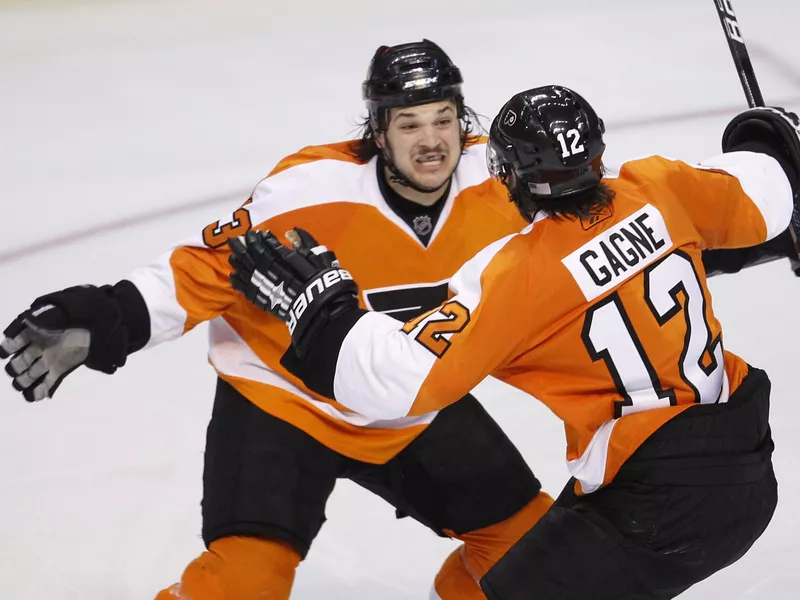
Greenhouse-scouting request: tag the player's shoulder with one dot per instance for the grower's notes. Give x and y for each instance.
(342, 152)
(650, 167)
(499, 261)
(326, 169)
(472, 169)
(476, 185)
(511, 253)
(314, 176)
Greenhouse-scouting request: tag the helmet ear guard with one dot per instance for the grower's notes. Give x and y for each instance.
(497, 166)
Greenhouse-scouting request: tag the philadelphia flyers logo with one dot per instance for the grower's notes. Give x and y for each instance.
(404, 302)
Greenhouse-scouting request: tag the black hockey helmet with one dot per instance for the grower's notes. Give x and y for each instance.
(407, 75)
(551, 140)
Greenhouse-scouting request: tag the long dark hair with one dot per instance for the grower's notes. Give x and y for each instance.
(581, 205)
(366, 146)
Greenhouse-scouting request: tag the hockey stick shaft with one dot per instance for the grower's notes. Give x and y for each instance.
(733, 33)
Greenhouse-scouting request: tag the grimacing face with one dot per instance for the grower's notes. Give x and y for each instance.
(424, 142)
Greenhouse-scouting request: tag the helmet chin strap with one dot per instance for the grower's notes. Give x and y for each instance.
(397, 176)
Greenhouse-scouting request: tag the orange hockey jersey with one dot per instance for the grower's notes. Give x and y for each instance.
(607, 320)
(327, 191)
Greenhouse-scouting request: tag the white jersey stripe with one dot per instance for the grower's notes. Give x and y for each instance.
(230, 355)
(156, 283)
(765, 183)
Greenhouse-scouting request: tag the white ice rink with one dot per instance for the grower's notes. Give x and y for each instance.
(125, 125)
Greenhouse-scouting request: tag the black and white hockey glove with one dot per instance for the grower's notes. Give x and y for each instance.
(303, 286)
(60, 332)
(774, 131)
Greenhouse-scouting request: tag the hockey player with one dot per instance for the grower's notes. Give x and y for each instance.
(600, 309)
(405, 206)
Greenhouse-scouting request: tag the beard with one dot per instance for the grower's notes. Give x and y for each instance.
(401, 178)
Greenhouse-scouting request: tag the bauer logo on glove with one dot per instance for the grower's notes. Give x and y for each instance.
(315, 289)
(303, 286)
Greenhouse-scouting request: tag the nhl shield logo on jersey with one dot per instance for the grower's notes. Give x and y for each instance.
(422, 225)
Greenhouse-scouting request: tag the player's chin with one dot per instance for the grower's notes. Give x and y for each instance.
(433, 179)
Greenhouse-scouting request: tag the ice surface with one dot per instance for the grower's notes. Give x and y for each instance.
(114, 111)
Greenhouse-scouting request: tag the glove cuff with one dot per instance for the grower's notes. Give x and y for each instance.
(311, 308)
(316, 366)
(135, 316)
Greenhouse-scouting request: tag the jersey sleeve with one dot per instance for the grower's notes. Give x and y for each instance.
(734, 200)
(189, 284)
(182, 288)
(388, 370)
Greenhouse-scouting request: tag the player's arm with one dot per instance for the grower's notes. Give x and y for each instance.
(367, 361)
(101, 326)
(189, 285)
(763, 132)
(95, 326)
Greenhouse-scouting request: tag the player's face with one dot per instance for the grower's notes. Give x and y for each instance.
(425, 142)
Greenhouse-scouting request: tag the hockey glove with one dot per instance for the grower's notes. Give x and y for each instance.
(58, 333)
(303, 286)
(774, 131)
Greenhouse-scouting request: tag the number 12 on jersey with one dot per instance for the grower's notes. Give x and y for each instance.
(609, 336)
